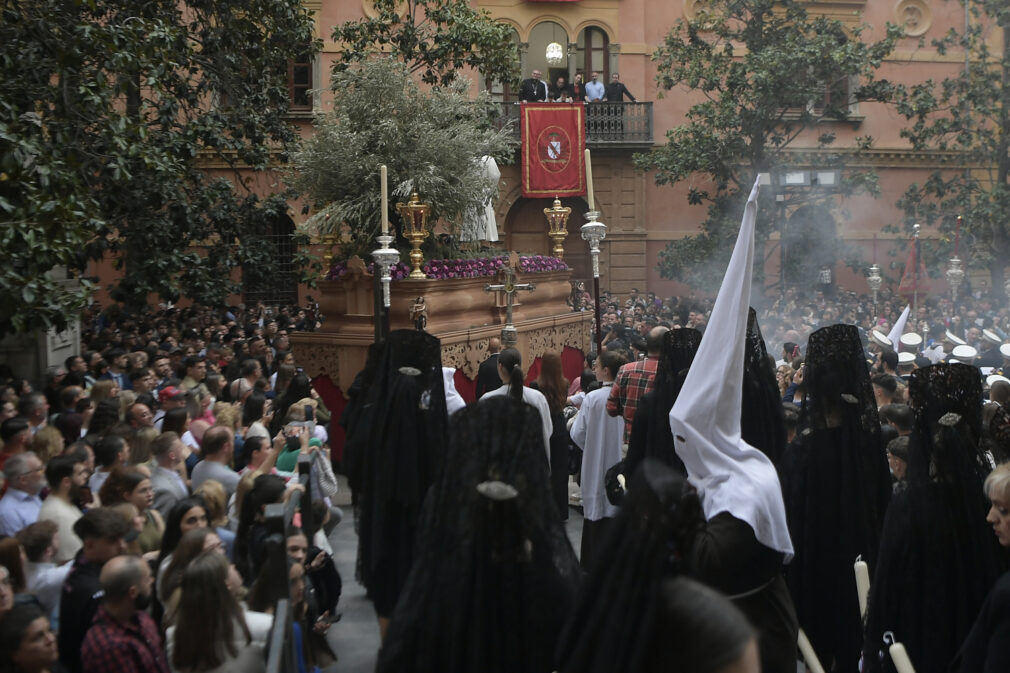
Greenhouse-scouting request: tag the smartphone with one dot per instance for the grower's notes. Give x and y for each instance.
(310, 413)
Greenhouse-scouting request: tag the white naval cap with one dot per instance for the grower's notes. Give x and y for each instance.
(965, 354)
(880, 339)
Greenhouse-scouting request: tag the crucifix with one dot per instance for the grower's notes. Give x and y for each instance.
(509, 287)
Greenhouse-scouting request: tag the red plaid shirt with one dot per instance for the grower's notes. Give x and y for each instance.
(633, 380)
(112, 647)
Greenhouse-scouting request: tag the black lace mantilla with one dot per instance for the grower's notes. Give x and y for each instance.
(838, 381)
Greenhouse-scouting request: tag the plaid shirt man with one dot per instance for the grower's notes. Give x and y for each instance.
(633, 380)
(113, 647)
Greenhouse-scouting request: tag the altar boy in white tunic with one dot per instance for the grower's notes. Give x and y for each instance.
(600, 436)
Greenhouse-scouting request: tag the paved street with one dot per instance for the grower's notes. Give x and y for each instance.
(355, 638)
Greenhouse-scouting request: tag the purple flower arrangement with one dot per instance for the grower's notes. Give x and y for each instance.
(441, 269)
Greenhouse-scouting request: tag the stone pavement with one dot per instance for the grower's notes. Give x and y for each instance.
(355, 638)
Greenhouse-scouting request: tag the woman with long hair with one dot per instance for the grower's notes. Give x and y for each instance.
(554, 386)
(192, 544)
(187, 514)
(256, 415)
(282, 378)
(133, 486)
(177, 421)
(267, 490)
(213, 633)
(106, 389)
(510, 370)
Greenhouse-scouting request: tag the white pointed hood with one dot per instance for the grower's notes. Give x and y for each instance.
(730, 475)
(899, 326)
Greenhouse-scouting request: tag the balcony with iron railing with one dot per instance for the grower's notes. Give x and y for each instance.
(608, 125)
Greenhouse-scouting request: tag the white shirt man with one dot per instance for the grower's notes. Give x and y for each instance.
(600, 436)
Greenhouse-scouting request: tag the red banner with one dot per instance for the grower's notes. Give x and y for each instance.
(553, 149)
(911, 284)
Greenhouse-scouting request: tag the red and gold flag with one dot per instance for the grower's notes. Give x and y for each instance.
(553, 149)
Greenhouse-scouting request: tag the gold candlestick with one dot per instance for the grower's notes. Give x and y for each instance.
(557, 219)
(414, 215)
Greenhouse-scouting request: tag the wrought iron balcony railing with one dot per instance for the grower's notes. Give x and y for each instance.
(617, 125)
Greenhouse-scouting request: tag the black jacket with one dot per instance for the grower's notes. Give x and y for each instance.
(487, 376)
(79, 601)
(532, 90)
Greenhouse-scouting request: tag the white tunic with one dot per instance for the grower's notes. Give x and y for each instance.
(535, 399)
(600, 436)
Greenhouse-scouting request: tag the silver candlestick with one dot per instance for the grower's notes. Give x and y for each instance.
(874, 280)
(594, 232)
(385, 258)
(955, 275)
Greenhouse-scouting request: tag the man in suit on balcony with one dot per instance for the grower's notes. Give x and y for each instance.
(533, 90)
(616, 91)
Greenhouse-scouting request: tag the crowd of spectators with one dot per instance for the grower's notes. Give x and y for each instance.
(135, 477)
(792, 317)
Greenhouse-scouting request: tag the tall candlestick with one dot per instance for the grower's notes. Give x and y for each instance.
(385, 200)
(589, 181)
(862, 584)
(874, 248)
(957, 236)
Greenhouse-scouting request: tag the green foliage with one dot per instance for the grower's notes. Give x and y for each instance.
(430, 140)
(435, 38)
(109, 112)
(762, 69)
(967, 115)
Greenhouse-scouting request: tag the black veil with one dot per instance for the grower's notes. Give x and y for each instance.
(761, 422)
(836, 485)
(938, 556)
(406, 442)
(651, 435)
(614, 618)
(495, 575)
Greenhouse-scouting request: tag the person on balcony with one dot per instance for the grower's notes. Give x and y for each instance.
(533, 90)
(578, 89)
(561, 92)
(595, 90)
(616, 91)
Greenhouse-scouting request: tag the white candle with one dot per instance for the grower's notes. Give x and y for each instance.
(862, 585)
(385, 200)
(899, 657)
(589, 181)
(809, 656)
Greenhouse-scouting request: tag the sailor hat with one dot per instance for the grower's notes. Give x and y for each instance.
(965, 354)
(880, 339)
(906, 358)
(911, 340)
(954, 339)
(994, 378)
(991, 337)
(1005, 350)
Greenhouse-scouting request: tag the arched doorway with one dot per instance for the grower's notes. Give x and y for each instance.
(541, 35)
(280, 287)
(810, 242)
(526, 233)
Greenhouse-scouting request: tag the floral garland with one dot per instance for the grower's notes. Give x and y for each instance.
(442, 269)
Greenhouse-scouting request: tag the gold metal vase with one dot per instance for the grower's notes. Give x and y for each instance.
(414, 215)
